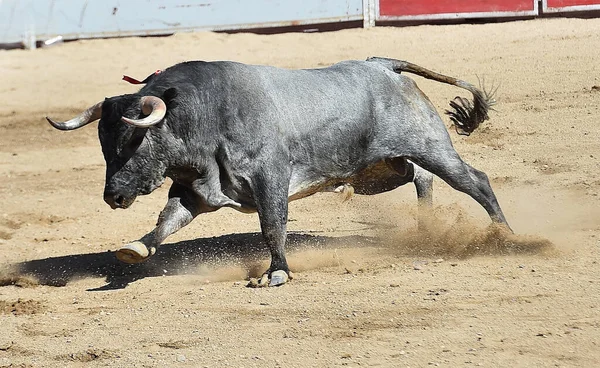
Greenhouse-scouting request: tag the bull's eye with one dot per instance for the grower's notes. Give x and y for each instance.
(132, 145)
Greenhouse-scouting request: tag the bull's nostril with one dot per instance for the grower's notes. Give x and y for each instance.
(119, 200)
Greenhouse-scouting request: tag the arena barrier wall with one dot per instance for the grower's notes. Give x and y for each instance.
(27, 22)
(394, 10)
(563, 6)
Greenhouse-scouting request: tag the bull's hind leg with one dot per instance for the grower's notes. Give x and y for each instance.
(182, 207)
(423, 181)
(422, 178)
(459, 175)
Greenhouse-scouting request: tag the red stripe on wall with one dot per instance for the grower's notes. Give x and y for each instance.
(563, 3)
(422, 7)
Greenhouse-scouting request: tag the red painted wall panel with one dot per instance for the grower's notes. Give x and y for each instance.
(563, 3)
(422, 7)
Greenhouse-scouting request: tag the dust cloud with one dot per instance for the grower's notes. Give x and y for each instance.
(450, 232)
(9, 275)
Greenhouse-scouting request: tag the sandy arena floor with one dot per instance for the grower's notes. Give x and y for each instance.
(369, 291)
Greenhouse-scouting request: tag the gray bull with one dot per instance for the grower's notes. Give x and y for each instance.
(254, 138)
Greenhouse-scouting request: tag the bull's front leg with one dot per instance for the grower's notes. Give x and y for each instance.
(271, 197)
(183, 206)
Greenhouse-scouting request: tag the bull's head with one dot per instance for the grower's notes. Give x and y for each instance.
(135, 154)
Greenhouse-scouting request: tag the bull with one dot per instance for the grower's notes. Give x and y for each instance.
(254, 138)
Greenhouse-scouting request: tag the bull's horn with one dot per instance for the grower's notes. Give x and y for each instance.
(92, 114)
(152, 106)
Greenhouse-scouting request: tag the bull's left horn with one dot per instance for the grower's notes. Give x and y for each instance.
(152, 106)
(91, 114)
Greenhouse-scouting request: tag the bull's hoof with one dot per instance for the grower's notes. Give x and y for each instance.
(135, 252)
(277, 278)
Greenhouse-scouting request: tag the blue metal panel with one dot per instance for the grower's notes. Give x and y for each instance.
(107, 18)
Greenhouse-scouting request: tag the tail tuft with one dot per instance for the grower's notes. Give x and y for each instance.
(467, 115)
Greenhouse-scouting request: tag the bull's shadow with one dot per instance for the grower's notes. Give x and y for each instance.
(177, 258)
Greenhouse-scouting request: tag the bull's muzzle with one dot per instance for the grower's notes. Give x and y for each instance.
(116, 200)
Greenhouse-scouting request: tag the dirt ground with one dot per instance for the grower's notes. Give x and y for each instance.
(369, 290)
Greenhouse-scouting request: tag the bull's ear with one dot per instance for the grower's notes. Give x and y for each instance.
(170, 97)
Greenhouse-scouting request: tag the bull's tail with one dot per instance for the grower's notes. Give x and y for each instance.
(465, 115)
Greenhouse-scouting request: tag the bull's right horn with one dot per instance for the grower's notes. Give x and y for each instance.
(92, 114)
(154, 107)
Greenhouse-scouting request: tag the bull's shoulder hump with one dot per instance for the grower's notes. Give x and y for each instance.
(196, 66)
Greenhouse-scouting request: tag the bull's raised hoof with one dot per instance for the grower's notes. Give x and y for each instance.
(135, 252)
(277, 278)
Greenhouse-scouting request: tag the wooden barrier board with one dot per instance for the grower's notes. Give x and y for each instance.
(431, 9)
(560, 6)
